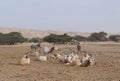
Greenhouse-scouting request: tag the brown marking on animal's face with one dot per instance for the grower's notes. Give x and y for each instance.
(27, 56)
(66, 60)
(86, 63)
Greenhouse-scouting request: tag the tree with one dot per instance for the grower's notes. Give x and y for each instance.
(1, 33)
(12, 38)
(80, 38)
(114, 38)
(101, 36)
(53, 38)
(35, 40)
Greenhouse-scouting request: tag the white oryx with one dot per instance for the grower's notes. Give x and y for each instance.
(71, 59)
(87, 60)
(48, 50)
(25, 60)
(42, 58)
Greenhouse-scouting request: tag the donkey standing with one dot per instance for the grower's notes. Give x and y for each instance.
(35, 47)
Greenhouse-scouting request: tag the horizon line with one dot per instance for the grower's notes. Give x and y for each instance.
(38, 29)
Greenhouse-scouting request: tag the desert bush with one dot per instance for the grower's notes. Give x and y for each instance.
(79, 38)
(53, 38)
(35, 40)
(115, 38)
(101, 36)
(12, 38)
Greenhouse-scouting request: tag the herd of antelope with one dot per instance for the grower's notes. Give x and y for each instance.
(52, 53)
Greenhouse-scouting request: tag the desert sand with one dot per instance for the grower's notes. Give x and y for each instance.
(107, 68)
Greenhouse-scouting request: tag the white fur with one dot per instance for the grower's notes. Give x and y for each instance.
(46, 50)
(24, 60)
(56, 48)
(42, 58)
(88, 57)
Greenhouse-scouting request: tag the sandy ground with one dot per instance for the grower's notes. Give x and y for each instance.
(107, 68)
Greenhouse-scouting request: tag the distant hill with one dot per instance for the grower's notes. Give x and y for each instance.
(30, 33)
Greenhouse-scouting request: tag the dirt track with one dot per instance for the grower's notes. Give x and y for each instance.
(107, 66)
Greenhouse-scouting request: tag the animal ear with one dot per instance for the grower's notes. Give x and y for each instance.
(27, 55)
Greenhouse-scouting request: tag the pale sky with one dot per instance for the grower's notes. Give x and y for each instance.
(67, 15)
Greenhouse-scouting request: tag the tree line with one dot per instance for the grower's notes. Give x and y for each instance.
(12, 38)
(16, 37)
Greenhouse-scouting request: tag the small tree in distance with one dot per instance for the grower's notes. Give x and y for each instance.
(12, 38)
(115, 38)
(53, 38)
(101, 36)
(36, 40)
